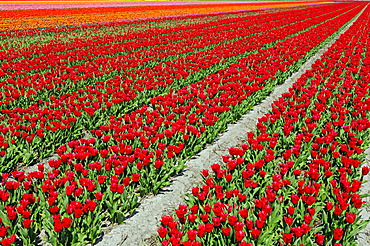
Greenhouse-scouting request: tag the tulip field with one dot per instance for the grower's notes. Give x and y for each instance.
(108, 103)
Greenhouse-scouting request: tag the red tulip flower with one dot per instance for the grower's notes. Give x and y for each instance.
(338, 233)
(319, 238)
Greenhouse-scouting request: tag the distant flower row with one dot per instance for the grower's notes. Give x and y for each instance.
(60, 4)
(18, 17)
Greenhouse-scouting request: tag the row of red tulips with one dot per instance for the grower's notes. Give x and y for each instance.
(101, 177)
(76, 60)
(296, 180)
(160, 28)
(50, 122)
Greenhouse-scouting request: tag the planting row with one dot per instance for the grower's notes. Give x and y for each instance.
(296, 180)
(80, 51)
(102, 177)
(38, 37)
(29, 39)
(30, 133)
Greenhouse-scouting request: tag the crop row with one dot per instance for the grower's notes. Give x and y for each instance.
(101, 177)
(31, 39)
(79, 51)
(296, 180)
(28, 39)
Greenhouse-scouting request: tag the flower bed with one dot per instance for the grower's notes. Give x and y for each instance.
(62, 101)
(100, 177)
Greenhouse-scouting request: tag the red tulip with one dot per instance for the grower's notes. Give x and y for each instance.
(350, 217)
(338, 233)
(319, 238)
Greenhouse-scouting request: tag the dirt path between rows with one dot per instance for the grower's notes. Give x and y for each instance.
(141, 228)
